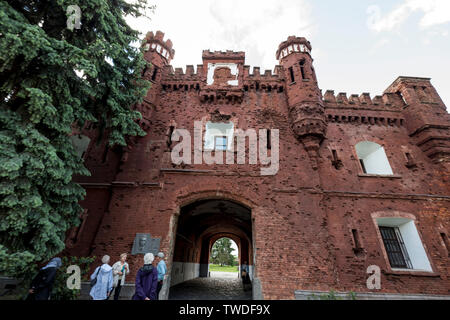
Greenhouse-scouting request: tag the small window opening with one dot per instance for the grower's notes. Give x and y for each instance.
(336, 162)
(269, 144)
(356, 239)
(291, 73)
(155, 71)
(169, 140)
(302, 69)
(410, 163)
(220, 143)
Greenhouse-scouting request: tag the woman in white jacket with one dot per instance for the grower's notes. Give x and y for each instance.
(120, 270)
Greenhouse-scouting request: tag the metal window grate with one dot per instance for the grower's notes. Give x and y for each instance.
(395, 248)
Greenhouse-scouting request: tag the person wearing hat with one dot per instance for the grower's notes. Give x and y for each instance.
(42, 284)
(146, 280)
(162, 270)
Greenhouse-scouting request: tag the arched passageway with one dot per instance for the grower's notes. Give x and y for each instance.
(199, 225)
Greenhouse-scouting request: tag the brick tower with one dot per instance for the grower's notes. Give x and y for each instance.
(306, 109)
(426, 117)
(159, 53)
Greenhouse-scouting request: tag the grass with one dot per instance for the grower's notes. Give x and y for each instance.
(216, 267)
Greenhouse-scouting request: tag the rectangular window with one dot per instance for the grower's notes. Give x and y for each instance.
(395, 248)
(302, 69)
(291, 72)
(269, 140)
(220, 143)
(356, 239)
(169, 140)
(155, 71)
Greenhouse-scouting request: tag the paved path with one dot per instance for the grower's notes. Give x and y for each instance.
(226, 275)
(213, 288)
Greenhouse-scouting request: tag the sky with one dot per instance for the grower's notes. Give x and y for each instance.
(358, 45)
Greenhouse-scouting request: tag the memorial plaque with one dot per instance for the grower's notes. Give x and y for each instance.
(144, 243)
(141, 244)
(154, 245)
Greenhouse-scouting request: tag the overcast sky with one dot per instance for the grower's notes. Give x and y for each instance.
(358, 45)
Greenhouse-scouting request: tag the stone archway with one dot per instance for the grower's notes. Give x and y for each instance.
(200, 223)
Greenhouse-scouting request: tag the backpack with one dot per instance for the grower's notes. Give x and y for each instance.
(94, 281)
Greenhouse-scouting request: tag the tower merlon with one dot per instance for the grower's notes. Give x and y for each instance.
(291, 45)
(155, 42)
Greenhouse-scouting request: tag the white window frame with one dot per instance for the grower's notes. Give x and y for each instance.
(412, 241)
(218, 129)
(373, 158)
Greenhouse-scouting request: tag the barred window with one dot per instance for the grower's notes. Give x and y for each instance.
(395, 248)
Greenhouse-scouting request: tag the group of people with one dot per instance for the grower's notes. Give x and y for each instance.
(105, 279)
(149, 279)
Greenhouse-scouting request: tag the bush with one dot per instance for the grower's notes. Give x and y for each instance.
(60, 290)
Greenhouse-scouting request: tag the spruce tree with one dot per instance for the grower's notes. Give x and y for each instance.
(55, 77)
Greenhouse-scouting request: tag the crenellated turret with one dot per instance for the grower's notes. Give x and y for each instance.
(306, 109)
(159, 53)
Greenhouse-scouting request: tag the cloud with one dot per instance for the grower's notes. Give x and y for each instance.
(435, 12)
(256, 27)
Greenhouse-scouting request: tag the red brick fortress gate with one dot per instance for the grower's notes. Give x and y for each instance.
(361, 181)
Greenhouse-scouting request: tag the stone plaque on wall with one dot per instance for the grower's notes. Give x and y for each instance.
(154, 245)
(144, 243)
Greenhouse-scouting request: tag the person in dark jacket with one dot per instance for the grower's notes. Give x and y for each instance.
(146, 280)
(42, 284)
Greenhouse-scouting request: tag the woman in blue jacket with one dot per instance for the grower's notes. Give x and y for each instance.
(103, 286)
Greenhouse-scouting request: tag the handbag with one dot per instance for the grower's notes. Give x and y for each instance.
(94, 281)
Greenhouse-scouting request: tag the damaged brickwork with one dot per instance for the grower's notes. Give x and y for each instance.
(312, 226)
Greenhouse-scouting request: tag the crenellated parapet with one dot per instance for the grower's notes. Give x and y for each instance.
(156, 43)
(293, 45)
(387, 101)
(175, 79)
(223, 55)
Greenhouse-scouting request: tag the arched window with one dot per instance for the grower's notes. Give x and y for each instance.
(372, 157)
(402, 243)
